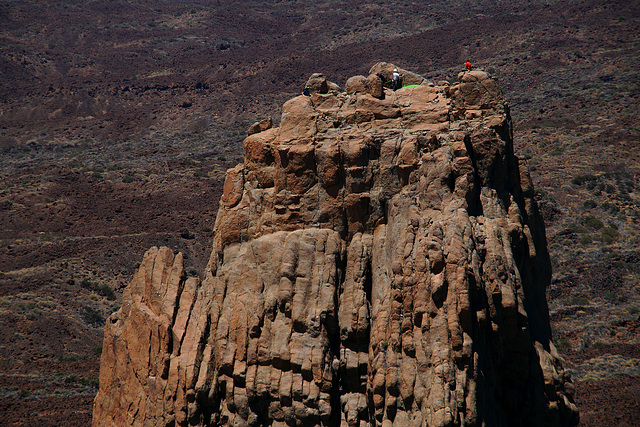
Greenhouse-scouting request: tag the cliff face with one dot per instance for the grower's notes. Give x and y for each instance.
(378, 259)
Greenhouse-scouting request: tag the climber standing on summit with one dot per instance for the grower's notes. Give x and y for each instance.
(396, 79)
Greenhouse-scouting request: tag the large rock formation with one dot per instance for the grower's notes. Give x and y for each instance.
(377, 260)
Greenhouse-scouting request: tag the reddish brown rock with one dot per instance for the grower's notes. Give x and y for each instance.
(376, 261)
(386, 69)
(371, 85)
(318, 83)
(260, 126)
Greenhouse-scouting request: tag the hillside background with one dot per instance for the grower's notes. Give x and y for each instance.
(119, 118)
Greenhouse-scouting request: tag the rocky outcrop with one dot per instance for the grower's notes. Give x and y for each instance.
(376, 261)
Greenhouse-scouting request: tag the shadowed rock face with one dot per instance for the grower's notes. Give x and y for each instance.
(378, 259)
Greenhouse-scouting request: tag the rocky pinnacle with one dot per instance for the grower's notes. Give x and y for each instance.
(378, 259)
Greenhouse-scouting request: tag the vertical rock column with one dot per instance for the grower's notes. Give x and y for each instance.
(378, 259)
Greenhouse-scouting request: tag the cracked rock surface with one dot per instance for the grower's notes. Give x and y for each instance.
(378, 259)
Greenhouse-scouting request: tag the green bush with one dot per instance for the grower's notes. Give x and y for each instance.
(101, 289)
(590, 204)
(92, 317)
(585, 240)
(581, 179)
(577, 228)
(593, 222)
(105, 291)
(186, 234)
(609, 234)
(575, 300)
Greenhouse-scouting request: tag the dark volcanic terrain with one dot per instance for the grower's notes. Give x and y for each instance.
(119, 118)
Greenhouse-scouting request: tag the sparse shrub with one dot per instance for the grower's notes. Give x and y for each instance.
(581, 179)
(25, 306)
(101, 289)
(585, 240)
(92, 317)
(563, 344)
(613, 255)
(68, 358)
(576, 301)
(127, 179)
(34, 314)
(593, 222)
(72, 379)
(590, 204)
(191, 271)
(186, 234)
(200, 174)
(609, 234)
(206, 229)
(105, 291)
(556, 151)
(577, 228)
(77, 379)
(585, 342)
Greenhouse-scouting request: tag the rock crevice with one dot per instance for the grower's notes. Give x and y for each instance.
(378, 259)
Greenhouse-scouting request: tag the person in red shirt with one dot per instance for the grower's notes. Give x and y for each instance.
(467, 65)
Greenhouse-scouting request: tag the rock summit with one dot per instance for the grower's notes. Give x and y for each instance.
(378, 259)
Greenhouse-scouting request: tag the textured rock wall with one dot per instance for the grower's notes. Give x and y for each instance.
(378, 259)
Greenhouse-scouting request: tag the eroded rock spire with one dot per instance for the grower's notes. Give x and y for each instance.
(378, 259)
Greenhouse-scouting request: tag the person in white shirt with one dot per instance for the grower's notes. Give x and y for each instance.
(396, 79)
